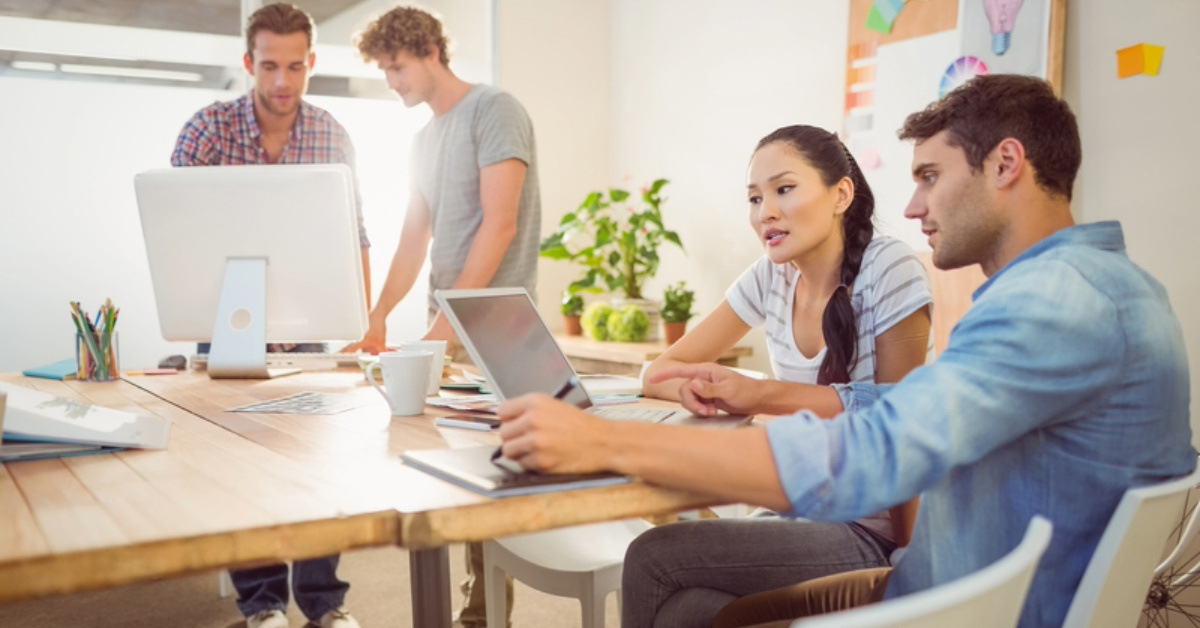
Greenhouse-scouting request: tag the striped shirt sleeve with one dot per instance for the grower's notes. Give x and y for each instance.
(748, 295)
(896, 283)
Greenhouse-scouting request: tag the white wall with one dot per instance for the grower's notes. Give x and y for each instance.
(1139, 137)
(555, 58)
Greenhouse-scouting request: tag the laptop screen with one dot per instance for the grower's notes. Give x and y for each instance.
(510, 343)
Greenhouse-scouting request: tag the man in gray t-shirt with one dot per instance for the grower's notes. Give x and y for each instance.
(474, 176)
(474, 193)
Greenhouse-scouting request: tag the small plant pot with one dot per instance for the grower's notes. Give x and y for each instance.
(572, 326)
(651, 308)
(673, 332)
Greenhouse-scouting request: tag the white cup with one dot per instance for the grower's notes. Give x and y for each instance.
(438, 349)
(405, 377)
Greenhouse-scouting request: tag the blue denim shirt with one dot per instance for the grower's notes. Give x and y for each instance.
(1064, 384)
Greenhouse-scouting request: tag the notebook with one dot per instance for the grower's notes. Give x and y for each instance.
(511, 344)
(472, 468)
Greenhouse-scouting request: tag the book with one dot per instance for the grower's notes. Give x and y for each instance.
(66, 369)
(37, 416)
(473, 469)
(13, 451)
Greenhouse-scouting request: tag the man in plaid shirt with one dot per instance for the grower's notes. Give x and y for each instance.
(273, 125)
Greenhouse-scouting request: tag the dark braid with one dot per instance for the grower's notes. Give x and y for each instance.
(839, 325)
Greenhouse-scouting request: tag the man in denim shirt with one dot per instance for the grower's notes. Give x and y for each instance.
(1065, 384)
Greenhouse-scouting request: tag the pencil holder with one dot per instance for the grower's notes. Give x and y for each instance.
(98, 358)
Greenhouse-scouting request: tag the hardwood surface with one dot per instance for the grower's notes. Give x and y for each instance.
(243, 489)
(625, 358)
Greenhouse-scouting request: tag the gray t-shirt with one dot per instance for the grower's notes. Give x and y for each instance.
(486, 127)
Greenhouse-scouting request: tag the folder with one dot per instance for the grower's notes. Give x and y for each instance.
(473, 469)
(66, 369)
(37, 416)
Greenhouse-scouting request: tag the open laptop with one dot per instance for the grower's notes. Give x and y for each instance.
(511, 344)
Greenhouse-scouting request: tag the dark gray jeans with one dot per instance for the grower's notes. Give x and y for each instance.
(314, 582)
(681, 575)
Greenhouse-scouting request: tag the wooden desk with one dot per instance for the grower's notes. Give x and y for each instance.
(237, 489)
(624, 358)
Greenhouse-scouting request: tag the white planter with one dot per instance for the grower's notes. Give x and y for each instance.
(651, 308)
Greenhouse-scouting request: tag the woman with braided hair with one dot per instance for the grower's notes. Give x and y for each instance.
(839, 304)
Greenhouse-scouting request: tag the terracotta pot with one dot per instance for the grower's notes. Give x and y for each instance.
(674, 331)
(572, 326)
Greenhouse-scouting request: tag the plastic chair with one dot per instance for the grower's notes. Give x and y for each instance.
(1113, 589)
(584, 562)
(989, 598)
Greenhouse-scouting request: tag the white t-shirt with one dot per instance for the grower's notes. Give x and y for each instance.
(891, 285)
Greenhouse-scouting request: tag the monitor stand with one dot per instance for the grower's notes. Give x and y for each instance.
(239, 338)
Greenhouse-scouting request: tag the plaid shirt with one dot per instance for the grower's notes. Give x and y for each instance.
(227, 134)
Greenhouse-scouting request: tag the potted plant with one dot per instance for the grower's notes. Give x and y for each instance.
(572, 308)
(676, 310)
(616, 241)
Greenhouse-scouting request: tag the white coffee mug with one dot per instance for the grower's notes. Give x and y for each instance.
(405, 377)
(438, 349)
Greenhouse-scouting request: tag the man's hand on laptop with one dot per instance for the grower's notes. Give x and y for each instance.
(709, 388)
(550, 436)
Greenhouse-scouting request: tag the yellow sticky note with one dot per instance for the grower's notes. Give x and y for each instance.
(1153, 55)
(1139, 59)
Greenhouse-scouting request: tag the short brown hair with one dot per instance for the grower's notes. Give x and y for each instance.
(281, 19)
(982, 112)
(407, 29)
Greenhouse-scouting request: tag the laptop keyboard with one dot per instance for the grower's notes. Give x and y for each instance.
(306, 361)
(646, 415)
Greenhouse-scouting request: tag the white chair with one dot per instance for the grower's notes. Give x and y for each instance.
(989, 598)
(1114, 586)
(584, 562)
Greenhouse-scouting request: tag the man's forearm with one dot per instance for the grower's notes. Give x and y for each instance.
(487, 251)
(406, 265)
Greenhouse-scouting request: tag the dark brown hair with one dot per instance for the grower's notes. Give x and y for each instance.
(405, 29)
(829, 157)
(281, 19)
(982, 112)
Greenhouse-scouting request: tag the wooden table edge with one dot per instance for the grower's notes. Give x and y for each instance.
(87, 570)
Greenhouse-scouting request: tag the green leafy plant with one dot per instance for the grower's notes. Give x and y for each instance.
(628, 324)
(595, 320)
(677, 303)
(572, 303)
(616, 243)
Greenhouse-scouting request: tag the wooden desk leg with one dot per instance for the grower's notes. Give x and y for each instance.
(429, 571)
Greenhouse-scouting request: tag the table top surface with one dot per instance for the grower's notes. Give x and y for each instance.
(245, 488)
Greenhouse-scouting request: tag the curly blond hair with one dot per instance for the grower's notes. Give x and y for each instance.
(407, 29)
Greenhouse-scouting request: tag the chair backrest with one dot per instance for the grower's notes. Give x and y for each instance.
(1114, 586)
(989, 598)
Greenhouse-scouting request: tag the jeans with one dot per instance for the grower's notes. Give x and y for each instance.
(681, 575)
(314, 582)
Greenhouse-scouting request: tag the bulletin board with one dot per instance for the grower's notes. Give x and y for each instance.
(904, 54)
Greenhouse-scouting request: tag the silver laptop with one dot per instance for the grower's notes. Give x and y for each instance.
(511, 344)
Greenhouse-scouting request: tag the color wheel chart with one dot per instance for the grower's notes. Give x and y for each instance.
(962, 70)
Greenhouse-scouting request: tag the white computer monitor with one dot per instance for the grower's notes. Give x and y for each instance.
(245, 255)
